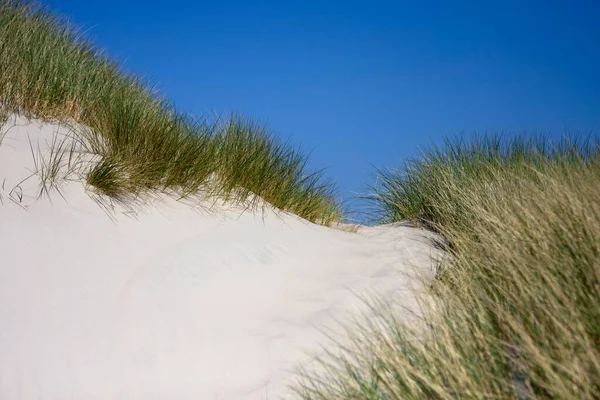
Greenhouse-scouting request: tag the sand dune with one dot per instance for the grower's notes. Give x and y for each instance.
(178, 299)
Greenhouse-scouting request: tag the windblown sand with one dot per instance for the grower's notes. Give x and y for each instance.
(168, 298)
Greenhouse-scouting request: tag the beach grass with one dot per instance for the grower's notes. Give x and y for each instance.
(51, 71)
(515, 310)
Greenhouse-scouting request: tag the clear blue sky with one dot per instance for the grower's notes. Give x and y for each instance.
(364, 83)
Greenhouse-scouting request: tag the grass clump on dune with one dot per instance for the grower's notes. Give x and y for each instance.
(516, 311)
(423, 190)
(50, 71)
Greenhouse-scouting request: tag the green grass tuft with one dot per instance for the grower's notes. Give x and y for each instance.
(51, 71)
(516, 310)
(423, 189)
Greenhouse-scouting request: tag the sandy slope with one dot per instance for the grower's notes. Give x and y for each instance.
(166, 300)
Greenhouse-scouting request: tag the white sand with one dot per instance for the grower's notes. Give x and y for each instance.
(167, 300)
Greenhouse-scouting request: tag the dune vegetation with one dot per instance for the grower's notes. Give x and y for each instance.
(517, 307)
(51, 71)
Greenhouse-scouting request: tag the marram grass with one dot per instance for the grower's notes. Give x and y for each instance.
(49, 70)
(516, 312)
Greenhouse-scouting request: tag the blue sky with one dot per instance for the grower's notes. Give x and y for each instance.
(362, 84)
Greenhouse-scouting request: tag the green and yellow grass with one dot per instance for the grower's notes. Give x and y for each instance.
(517, 308)
(49, 70)
(516, 312)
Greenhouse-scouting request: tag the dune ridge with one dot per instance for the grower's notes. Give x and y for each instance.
(172, 298)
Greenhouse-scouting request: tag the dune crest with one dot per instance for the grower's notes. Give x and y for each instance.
(168, 298)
